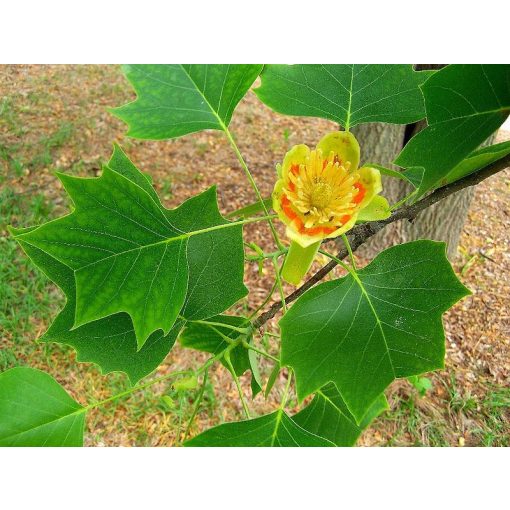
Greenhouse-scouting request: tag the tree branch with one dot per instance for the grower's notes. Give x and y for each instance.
(360, 234)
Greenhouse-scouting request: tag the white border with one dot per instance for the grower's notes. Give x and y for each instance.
(254, 478)
(269, 31)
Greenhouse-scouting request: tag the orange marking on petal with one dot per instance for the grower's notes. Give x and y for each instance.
(345, 218)
(294, 169)
(361, 193)
(317, 231)
(299, 224)
(336, 159)
(292, 186)
(287, 209)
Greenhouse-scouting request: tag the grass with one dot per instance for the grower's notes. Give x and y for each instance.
(48, 143)
(25, 295)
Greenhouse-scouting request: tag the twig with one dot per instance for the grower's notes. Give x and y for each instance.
(360, 234)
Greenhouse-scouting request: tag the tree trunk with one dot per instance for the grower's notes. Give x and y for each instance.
(381, 143)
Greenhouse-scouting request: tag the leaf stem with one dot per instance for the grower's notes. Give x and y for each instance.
(264, 256)
(259, 351)
(148, 384)
(348, 247)
(198, 401)
(266, 300)
(285, 395)
(282, 407)
(243, 331)
(237, 383)
(135, 388)
(340, 262)
(244, 166)
(403, 201)
(279, 282)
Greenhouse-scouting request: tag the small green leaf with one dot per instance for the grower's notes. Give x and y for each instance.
(187, 383)
(465, 104)
(176, 99)
(328, 416)
(36, 411)
(213, 339)
(349, 94)
(130, 254)
(275, 429)
(362, 333)
(272, 379)
(168, 401)
(421, 384)
(391, 173)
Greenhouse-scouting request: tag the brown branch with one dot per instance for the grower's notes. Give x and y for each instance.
(365, 231)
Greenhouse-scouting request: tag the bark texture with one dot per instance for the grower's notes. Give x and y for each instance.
(381, 143)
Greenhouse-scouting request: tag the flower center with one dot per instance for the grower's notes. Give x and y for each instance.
(321, 195)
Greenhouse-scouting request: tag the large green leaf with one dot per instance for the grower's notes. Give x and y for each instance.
(328, 416)
(275, 429)
(211, 338)
(362, 333)
(36, 411)
(349, 94)
(108, 342)
(174, 100)
(130, 254)
(465, 104)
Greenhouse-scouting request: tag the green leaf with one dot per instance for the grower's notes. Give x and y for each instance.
(272, 379)
(391, 173)
(421, 384)
(130, 254)
(213, 284)
(36, 411)
(174, 100)
(110, 342)
(120, 163)
(363, 332)
(211, 338)
(328, 416)
(275, 429)
(349, 94)
(465, 104)
(215, 258)
(477, 160)
(252, 209)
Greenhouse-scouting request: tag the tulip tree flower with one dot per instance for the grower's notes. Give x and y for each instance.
(321, 194)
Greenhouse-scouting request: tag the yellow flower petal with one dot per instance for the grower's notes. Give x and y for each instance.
(342, 230)
(296, 156)
(344, 145)
(370, 180)
(377, 209)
